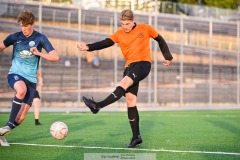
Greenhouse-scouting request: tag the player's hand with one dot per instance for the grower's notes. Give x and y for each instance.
(34, 51)
(167, 63)
(82, 46)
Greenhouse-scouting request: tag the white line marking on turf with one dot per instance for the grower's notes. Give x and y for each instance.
(136, 149)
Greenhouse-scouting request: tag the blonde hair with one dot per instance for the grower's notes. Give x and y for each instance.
(126, 14)
(26, 17)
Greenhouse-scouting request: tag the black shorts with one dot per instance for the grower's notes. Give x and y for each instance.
(137, 71)
(36, 95)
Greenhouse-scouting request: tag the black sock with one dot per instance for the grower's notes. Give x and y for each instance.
(37, 122)
(16, 106)
(113, 97)
(134, 120)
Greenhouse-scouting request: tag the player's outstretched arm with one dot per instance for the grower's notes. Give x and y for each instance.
(96, 45)
(51, 56)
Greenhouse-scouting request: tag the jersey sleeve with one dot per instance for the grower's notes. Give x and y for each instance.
(152, 32)
(46, 44)
(114, 37)
(9, 40)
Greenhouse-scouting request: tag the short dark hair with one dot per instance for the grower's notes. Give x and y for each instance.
(26, 17)
(127, 14)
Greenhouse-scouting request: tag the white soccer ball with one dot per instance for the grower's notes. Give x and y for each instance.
(59, 130)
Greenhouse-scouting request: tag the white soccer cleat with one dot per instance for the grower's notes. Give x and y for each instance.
(5, 130)
(3, 141)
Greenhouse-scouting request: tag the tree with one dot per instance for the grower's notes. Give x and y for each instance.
(188, 1)
(229, 4)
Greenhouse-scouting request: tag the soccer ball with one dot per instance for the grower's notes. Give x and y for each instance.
(59, 130)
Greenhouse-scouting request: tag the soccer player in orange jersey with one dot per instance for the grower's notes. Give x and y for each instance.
(134, 43)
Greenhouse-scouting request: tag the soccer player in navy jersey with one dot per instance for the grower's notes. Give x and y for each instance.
(27, 51)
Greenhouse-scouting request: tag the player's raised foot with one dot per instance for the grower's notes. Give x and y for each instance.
(135, 141)
(3, 141)
(91, 104)
(5, 130)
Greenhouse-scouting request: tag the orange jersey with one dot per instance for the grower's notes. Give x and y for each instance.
(135, 44)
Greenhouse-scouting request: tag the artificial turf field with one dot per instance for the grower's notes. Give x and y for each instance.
(170, 135)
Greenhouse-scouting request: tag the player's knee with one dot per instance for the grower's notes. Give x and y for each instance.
(126, 82)
(130, 98)
(21, 94)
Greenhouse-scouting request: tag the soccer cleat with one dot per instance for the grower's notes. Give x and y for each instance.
(5, 130)
(3, 141)
(135, 141)
(91, 104)
(38, 123)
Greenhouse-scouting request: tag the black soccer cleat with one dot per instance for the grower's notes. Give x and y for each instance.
(38, 123)
(91, 104)
(135, 141)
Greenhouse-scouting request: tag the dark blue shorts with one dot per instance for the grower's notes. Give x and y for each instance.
(137, 71)
(31, 87)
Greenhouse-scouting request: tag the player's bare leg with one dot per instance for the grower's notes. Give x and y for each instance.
(36, 102)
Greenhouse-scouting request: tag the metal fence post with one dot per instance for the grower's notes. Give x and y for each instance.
(115, 50)
(210, 60)
(150, 74)
(181, 61)
(155, 57)
(40, 30)
(238, 62)
(79, 52)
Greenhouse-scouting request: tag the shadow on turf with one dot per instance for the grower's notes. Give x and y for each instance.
(226, 126)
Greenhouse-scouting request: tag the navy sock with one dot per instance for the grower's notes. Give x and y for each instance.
(113, 97)
(12, 125)
(16, 106)
(134, 120)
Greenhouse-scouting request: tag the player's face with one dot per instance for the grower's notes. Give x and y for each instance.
(127, 25)
(27, 30)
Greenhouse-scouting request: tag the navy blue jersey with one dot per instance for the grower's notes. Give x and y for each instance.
(25, 63)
